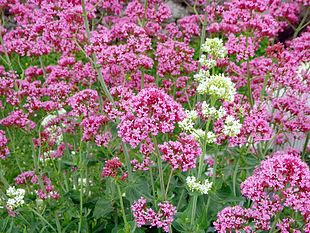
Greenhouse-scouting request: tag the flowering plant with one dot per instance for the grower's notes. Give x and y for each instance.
(119, 116)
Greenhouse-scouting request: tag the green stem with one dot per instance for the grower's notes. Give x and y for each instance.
(194, 207)
(161, 178)
(152, 181)
(4, 48)
(301, 25)
(213, 179)
(127, 227)
(81, 191)
(168, 184)
(94, 57)
(304, 151)
(235, 176)
(142, 80)
(42, 67)
(160, 170)
(273, 226)
(42, 218)
(201, 165)
(127, 158)
(202, 40)
(180, 199)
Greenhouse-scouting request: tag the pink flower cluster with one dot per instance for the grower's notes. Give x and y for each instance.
(182, 153)
(255, 127)
(175, 57)
(147, 216)
(262, 18)
(146, 149)
(44, 27)
(125, 58)
(84, 103)
(281, 181)
(242, 46)
(150, 112)
(154, 13)
(43, 193)
(93, 128)
(4, 150)
(112, 168)
(18, 119)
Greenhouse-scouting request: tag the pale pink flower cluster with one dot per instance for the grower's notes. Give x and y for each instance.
(282, 181)
(147, 216)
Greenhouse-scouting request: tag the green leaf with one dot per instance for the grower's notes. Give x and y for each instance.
(103, 208)
(137, 189)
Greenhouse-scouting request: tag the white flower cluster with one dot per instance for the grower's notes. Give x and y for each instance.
(218, 86)
(196, 186)
(215, 47)
(55, 131)
(15, 197)
(303, 70)
(201, 75)
(203, 60)
(199, 134)
(188, 123)
(231, 127)
(212, 112)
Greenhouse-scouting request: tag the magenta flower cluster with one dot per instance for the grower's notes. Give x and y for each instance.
(181, 154)
(147, 216)
(151, 112)
(4, 150)
(45, 192)
(282, 181)
(112, 168)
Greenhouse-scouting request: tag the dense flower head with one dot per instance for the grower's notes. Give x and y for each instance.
(196, 186)
(18, 119)
(218, 86)
(40, 29)
(181, 154)
(91, 126)
(255, 128)
(274, 174)
(147, 216)
(281, 181)
(214, 47)
(156, 12)
(231, 218)
(112, 168)
(119, 59)
(84, 103)
(151, 112)
(174, 58)
(263, 18)
(15, 199)
(243, 46)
